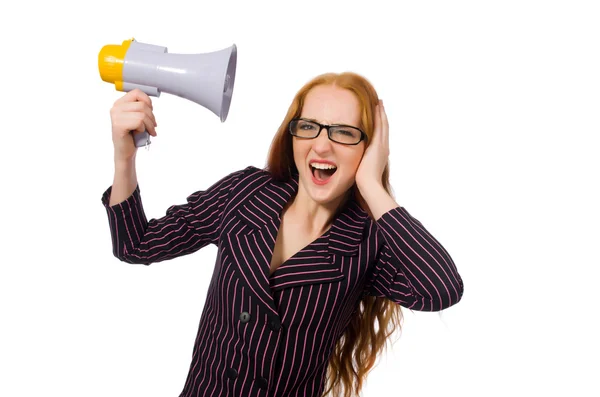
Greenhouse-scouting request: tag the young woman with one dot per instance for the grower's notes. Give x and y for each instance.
(312, 250)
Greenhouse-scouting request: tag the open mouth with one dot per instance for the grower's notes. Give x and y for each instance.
(322, 175)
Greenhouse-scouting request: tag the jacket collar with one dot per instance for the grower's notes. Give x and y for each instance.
(271, 196)
(260, 213)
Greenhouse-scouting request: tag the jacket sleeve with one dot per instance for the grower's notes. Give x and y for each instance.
(411, 267)
(183, 230)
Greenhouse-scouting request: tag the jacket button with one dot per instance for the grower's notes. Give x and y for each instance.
(245, 317)
(262, 383)
(275, 324)
(231, 373)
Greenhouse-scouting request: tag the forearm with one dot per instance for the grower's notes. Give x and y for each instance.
(124, 182)
(378, 199)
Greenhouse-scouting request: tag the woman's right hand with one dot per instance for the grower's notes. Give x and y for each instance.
(131, 113)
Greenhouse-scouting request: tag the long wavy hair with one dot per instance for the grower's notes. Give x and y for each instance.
(356, 350)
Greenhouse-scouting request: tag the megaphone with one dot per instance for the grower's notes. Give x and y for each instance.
(206, 79)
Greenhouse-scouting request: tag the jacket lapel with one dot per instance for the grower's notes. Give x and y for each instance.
(261, 214)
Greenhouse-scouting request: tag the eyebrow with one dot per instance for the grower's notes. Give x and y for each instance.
(316, 121)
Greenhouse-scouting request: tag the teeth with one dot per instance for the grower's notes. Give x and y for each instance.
(323, 166)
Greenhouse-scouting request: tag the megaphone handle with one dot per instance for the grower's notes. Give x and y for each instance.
(141, 139)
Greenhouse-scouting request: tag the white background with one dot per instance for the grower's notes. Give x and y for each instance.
(493, 110)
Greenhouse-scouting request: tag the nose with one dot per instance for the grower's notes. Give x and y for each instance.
(322, 141)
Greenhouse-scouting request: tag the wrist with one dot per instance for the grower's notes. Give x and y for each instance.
(369, 188)
(124, 162)
(124, 167)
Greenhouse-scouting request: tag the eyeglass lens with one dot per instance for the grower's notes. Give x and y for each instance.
(341, 134)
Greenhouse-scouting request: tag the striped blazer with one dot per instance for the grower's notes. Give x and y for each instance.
(272, 335)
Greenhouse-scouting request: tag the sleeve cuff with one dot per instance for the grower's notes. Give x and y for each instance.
(127, 221)
(126, 204)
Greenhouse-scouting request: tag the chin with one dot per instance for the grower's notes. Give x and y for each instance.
(327, 193)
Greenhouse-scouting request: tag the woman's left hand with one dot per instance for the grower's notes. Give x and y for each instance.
(375, 158)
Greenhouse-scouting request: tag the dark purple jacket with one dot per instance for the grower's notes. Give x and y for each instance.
(262, 335)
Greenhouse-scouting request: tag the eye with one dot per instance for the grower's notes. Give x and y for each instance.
(306, 126)
(351, 132)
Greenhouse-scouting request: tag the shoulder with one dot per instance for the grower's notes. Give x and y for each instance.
(244, 175)
(254, 185)
(248, 180)
(251, 174)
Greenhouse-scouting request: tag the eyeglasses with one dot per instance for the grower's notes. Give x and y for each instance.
(344, 134)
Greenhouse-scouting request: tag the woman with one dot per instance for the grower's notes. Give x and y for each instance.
(308, 259)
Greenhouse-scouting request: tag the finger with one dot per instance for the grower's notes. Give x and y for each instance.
(136, 122)
(377, 120)
(135, 95)
(379, 126)
(139, 95)
(131, 121)
(385, 139)
(138, 107)
(384, 122)
(147, 125)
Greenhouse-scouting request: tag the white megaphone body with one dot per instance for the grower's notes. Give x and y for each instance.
(206, 79)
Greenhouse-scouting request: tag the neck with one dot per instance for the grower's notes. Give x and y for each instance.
(315, 218)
